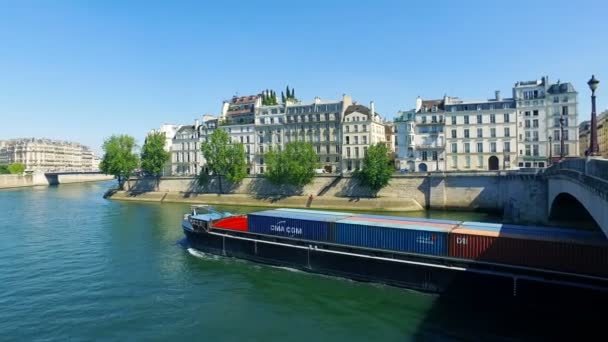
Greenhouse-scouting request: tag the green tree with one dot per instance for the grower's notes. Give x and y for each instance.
(377, 169)
(294, 165)
(282, 97)
(224, 158)
(154, 156)
(4, 170)
(16, 168)
(119, 157)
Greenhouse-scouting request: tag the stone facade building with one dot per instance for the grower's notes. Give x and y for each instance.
(542, 108)
(361, 127)
(481, 135)
(46, 155)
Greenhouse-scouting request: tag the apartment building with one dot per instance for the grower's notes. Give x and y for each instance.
(544, 111)
(481, 135)
(46, 155)
(361, 127)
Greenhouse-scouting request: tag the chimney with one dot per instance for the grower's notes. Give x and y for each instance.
(196, 124)
(497, 95)
(317, 100)
(418, 103)
(372, 108)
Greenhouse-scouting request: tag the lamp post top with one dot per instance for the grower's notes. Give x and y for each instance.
(593, 83)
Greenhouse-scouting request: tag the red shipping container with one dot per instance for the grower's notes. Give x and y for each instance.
(238, 223)
(537, 252)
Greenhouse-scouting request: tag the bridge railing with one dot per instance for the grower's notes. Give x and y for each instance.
(594, 167)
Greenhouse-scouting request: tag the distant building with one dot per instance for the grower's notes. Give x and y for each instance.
(584, 132)
(602, 134)
(185, 151)
(421, 139)
(269, 134)
(46, 155)
(361, 127)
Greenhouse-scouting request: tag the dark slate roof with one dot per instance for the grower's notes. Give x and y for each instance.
(428, 104)
(561, 88)
(359, 109)
(186, 129)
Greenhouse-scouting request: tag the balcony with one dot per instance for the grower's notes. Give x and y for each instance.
(432, 146)
(439, 121)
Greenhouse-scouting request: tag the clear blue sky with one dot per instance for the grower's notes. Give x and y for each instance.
(84, 70)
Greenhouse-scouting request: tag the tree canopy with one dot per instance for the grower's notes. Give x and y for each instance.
(119, 157)
(16, 168)
(377, 169)
(294, 165)
(153, 154)
(4, 169)
(224, 158)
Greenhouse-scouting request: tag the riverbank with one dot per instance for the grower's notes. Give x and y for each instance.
(322, 202)
(41, 179)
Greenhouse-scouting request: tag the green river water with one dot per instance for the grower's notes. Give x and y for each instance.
(74, 266)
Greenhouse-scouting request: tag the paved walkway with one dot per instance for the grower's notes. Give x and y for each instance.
(339, 203)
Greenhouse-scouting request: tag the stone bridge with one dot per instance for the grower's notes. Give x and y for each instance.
(578, 191)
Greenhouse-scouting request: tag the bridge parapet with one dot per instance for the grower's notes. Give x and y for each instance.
(594, 167)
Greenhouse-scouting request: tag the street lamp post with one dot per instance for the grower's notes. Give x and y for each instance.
(593, 146)
(550, 150)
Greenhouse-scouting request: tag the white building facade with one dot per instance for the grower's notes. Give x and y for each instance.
(46, 155)
(481, 135)
(361, 127)
(543, 109)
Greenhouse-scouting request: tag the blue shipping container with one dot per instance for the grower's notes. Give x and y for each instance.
(310, 226)
(405, 218)
(393, 236)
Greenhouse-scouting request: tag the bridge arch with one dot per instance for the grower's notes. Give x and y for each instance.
(571, 200)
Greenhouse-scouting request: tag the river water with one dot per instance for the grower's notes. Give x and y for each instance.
(74, 266)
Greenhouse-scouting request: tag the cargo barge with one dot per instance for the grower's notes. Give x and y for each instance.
(440, 256)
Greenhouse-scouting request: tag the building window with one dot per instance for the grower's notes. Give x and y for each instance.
(424, 155)
(528, 150)
(348, 152)
(493, 132)
(467, 162)
(453, 134)
(507, 132)
(506, 147)
(535, 136)
(454, 148)
(480, 147)
(535, 150)
(493, 147)
(527, 124)
(479, 119)
(527, 113)
(467, 148)
(564, 110)
(480, 133)
(434, 155)
(466, 133)
(535, 112)
(365, 151)
(535, 123)
(261, 161)
(356, 139)
(454, 162)
(506, 117)
(466, 119)
(492, 118)
(453, 120)
(347, 140)
(480, 161)
(318, 149)
(364, 138)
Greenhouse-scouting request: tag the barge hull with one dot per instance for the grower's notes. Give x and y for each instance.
(412, 274)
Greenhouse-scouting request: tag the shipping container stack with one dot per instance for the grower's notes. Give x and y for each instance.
(557, 249)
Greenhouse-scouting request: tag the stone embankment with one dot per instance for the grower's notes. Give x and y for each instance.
(518, 197)
(40, 179)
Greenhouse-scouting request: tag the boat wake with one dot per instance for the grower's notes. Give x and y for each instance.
(198, 254)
